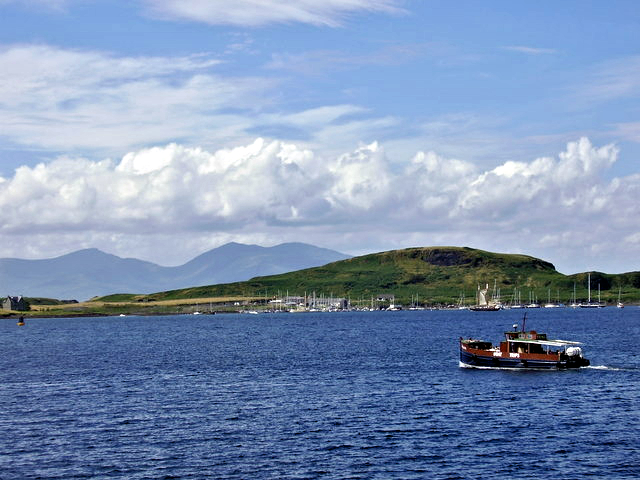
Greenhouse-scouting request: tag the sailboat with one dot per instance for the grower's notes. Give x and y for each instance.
(574, 302)
(416, 305)
(462, 304)
(591, 304)
(533, 303)
(620, 304)
(551, 304)
(517, 301)
(482, 305)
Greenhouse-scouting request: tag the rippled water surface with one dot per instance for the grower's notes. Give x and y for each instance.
(343, 396)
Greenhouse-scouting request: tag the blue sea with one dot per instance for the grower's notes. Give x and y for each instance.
(348, 395)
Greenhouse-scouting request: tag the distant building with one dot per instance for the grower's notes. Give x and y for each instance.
(327, 303)
(385, 297)
(14, 303)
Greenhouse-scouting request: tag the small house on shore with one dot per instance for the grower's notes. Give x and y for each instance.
(14, 303)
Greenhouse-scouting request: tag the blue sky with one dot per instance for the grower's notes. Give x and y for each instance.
(162, 128)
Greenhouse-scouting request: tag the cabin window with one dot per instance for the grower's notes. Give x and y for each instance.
(535, 348)
(519, 347)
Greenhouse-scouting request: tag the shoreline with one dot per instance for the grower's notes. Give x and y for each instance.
(36, 314)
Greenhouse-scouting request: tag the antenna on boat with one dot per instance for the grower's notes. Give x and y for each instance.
(524, 321)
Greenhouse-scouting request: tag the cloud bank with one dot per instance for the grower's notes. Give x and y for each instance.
(285, 192)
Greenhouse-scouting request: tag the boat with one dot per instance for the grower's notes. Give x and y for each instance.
(392, 305)
(589, 303)
(533, 303)
(462, 305)
(574, 303)
(551, 304)
(522, 349)
(20, 322)
(416, 305)
(620, 304)
(516, 301)
(482, 305)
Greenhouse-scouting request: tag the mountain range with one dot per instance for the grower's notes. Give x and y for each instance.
(91, 272)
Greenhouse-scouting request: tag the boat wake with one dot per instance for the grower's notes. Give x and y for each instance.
(603, 367)
(590, 367)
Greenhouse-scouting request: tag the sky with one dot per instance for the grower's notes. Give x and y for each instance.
(159, 129)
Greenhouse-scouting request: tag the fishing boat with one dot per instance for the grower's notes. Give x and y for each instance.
(522, 349)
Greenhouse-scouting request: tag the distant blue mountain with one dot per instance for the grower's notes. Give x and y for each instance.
(87, 273)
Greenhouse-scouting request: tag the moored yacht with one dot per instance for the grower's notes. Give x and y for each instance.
(589, 303)
(620, 304)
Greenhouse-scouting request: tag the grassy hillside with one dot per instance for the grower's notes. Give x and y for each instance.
(436, 274)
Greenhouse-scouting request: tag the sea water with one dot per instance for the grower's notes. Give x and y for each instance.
(348, 395)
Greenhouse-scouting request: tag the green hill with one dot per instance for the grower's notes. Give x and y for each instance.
(436, 275)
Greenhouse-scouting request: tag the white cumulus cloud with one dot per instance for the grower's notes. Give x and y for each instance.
(270, 191)
(541, 189)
